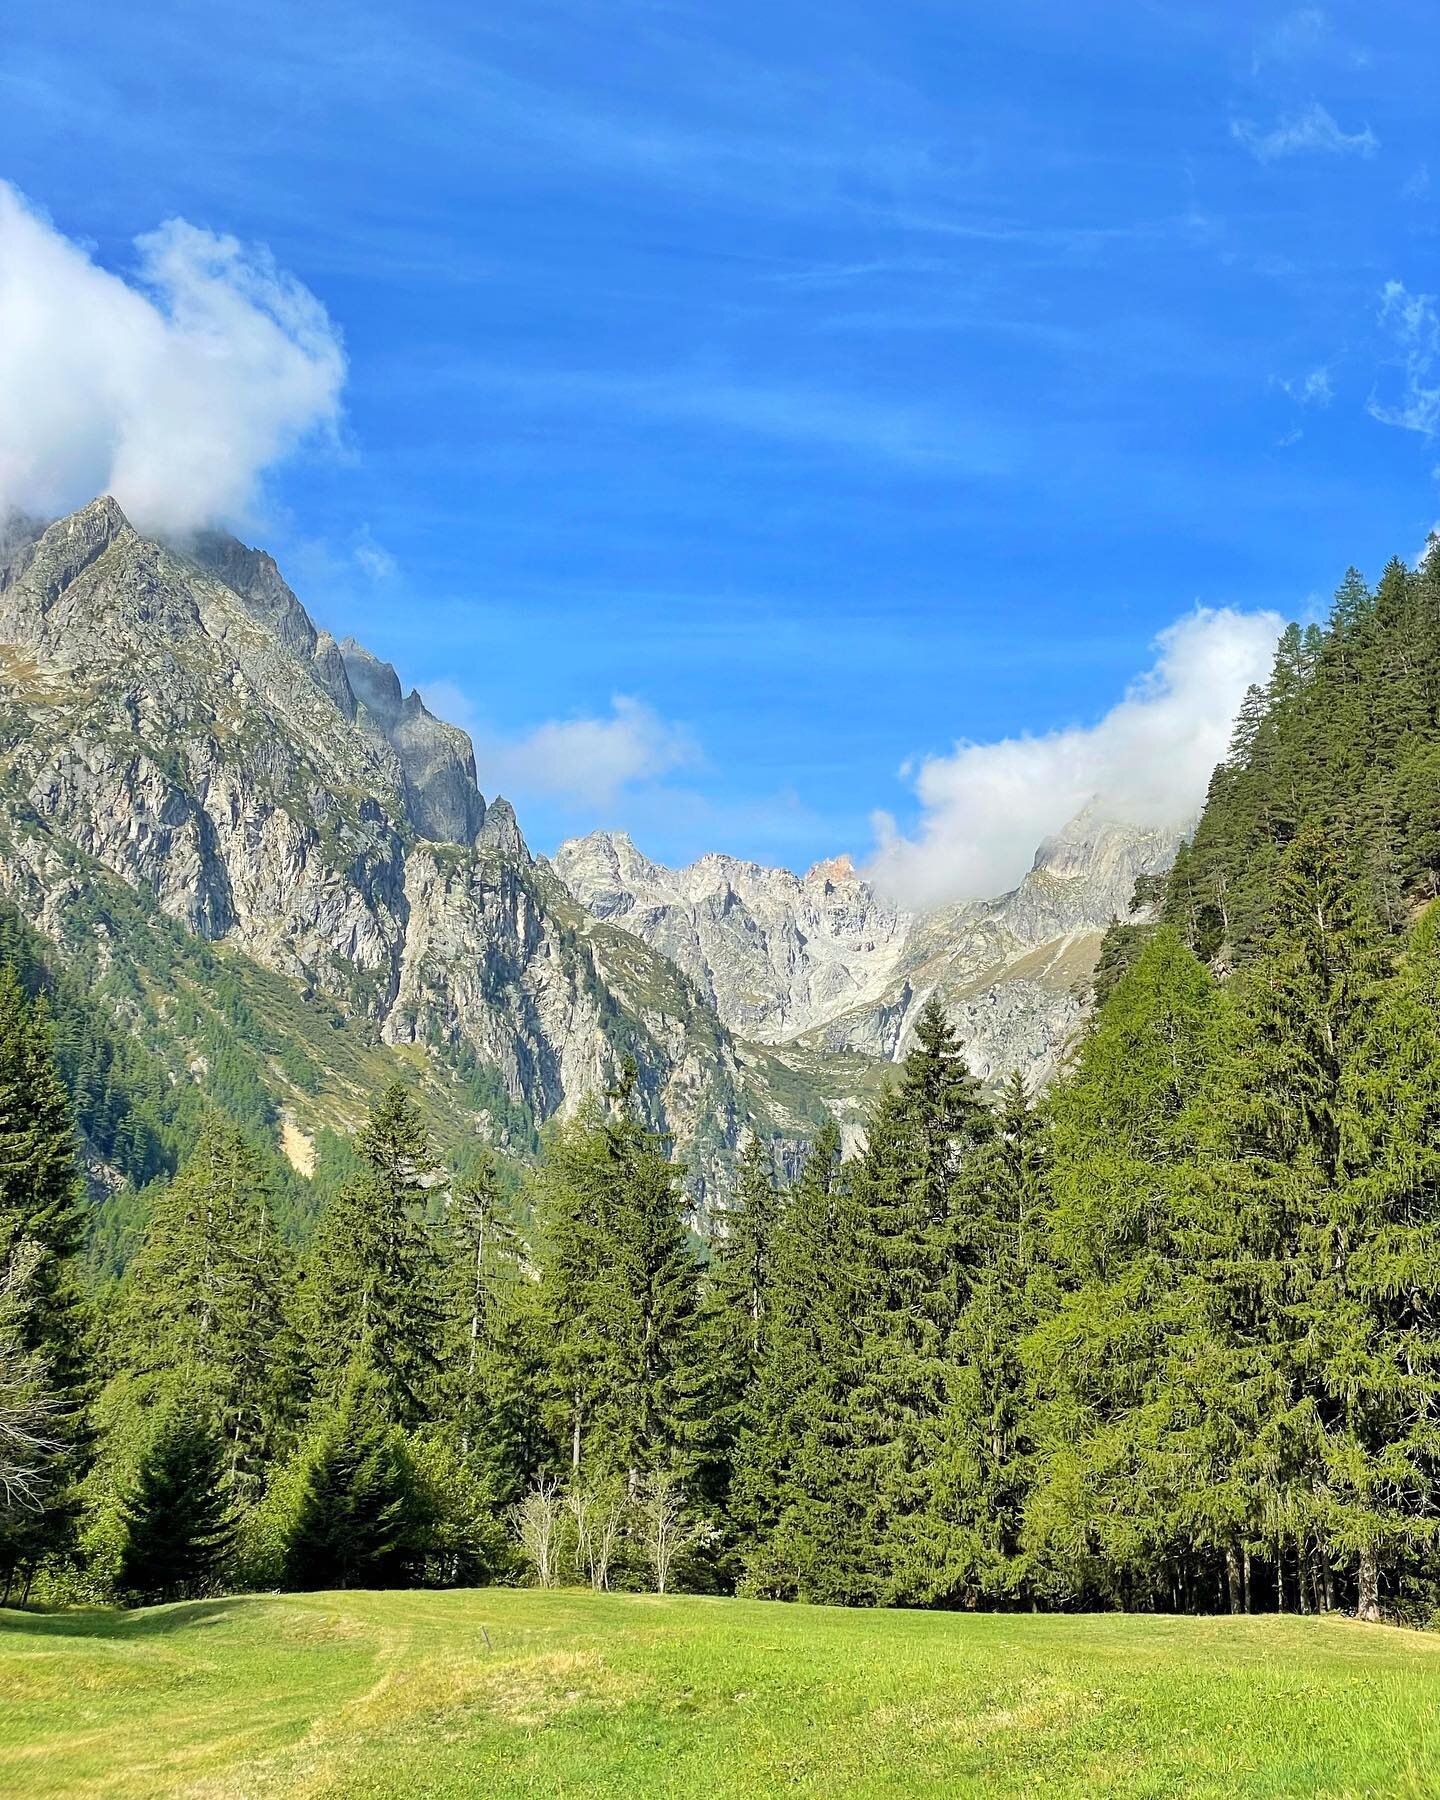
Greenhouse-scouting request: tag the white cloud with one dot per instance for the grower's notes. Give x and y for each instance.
(1414, 325)
(583, 761)
(985, 807)
(1311, 130)
(1313, 389)
(373, 558)
(174, 389)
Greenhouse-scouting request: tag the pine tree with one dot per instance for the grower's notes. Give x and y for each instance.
(359, 1519)
(796, 1490)
(374, 1287)
(487, 1417)
(177, 1525)
(1302, 1008)
(732, 1330)
(1369, 1353)
(965, 1544)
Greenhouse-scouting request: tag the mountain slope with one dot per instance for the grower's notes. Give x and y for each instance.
(182, 748)
(823, 961)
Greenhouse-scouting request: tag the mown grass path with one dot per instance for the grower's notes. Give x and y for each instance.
(583, 1694)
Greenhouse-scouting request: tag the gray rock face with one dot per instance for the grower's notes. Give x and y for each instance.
(437, 762)
(174, 720)
(437, 759)
(774, 953)
(823, 960)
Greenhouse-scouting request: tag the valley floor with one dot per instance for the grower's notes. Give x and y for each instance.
(581, 1694)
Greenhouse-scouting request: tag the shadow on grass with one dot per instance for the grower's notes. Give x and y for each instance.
(113, 1622)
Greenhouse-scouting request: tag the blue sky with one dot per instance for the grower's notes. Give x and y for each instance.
(828, 382)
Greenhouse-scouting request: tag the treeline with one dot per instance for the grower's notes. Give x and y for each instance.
(1166, 1339)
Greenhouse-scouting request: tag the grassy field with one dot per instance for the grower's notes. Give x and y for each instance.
(581, 1694)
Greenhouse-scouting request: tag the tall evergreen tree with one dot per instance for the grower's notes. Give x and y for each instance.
(178, 1528)
(797, 1495)
(373, 1282)
(41, 1219)
(914, 1251)
(1369, 1353)
(732, 1329)
(206, 1299)
(965, 1544)
(620, 1287)
(1115, 1336)
(359, 1517)
(1302, 1008)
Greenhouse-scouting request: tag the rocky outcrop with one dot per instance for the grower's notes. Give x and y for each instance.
(775, 953)
(823, 960)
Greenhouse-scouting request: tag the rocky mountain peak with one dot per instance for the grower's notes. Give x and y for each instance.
(832, 871)
(254, 576)
(67, 548)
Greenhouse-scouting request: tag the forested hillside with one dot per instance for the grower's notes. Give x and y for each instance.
(1163, 1338)
(1344, 739)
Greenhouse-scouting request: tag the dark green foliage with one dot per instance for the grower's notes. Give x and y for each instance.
(1165, 1339)
(797, 1499)
(41, 1222)
(373, 1288)
(620, 1288)
(206, 1297)
(965, 1546)
(177, 1524)
(360, 1517)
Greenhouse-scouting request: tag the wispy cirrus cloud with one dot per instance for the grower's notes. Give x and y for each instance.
(1413, 324)
(1312, 131)
(1314, 388)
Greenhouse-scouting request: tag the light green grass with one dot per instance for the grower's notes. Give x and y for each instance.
(581, 1694)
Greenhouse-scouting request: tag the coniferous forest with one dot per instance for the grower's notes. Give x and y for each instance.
(1165, 1337)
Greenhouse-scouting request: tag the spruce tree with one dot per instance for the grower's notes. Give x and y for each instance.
(359, 1518)
(620, 1287)
(41, 1220)
(206, 1299)
(964, 1545)
(177, 1523)
(732, 1329)
(373, 1283)
(1368, 1353)
(1301, 1012)
(913, 1258)
(797, 1499)
(1108, 1358)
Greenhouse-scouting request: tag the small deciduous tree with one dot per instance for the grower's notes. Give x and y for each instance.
(667, 1527)
(27, 1401)
(537, 1522)
(597, 1522)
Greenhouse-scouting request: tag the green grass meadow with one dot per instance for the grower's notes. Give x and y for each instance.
(585, 1694)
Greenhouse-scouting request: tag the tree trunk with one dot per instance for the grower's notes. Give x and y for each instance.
(1249, 1606)
(1232, 1578)
(1367, 1583)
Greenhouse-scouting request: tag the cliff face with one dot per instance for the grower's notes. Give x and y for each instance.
(775, 953)
(824, 961)
(174, 722)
